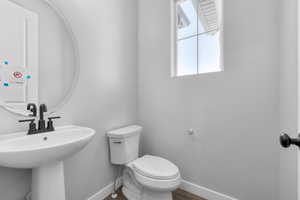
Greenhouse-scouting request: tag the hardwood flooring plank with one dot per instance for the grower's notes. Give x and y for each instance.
(177, 195)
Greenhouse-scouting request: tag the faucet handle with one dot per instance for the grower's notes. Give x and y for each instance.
(32, 126)
(27, 120)
(51, 118)
(50, 126)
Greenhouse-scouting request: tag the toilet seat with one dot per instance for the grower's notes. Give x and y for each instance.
(155, 167)
(156, 173)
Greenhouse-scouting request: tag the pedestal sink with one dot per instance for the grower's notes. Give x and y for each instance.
(44, 153)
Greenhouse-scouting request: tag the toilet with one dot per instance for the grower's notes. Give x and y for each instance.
(145, 178)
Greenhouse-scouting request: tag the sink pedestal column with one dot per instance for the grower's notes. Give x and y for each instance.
(48, 182)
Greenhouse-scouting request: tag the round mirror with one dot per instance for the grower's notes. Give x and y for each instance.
(39, 60)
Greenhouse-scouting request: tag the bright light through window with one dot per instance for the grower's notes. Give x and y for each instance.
(198, 37)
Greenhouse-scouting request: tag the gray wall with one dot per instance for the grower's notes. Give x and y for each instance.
(235, 112)
(104, 99)
(288, 97)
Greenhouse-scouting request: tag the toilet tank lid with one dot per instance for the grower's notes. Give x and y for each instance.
(125, 132)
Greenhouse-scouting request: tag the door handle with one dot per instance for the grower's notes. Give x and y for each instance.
(286, 141)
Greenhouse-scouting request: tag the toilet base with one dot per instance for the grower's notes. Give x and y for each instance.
(146, 195)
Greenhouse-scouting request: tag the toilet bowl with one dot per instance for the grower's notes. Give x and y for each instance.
(150, 178)
(145, 178)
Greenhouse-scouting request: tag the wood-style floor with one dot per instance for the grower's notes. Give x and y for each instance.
(177, 195)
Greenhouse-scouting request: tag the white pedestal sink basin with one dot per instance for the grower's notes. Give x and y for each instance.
(44, 153)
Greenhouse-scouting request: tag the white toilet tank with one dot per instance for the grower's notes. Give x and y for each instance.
(124, 144)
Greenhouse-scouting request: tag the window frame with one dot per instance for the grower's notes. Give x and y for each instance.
(174, 51)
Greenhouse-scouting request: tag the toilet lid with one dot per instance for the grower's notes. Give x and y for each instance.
(155, 167)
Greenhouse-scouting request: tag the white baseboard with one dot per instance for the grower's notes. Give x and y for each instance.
(106, 191)
(204, 192)
(185, 185)
(103, 193)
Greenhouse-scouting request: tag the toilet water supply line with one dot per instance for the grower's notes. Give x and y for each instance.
(28, 196)
(117, 183)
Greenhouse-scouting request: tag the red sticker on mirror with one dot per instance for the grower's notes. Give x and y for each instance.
(18, 75)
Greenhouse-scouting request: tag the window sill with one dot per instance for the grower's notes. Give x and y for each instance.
(198, 74)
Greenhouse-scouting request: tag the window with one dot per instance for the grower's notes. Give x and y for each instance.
(198, 46)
